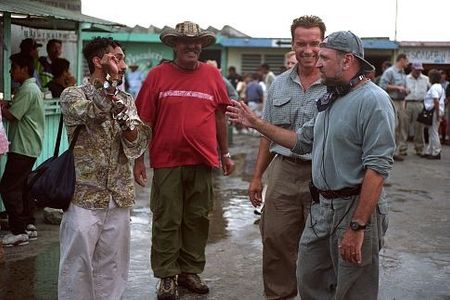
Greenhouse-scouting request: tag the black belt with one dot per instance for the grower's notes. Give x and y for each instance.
(296, 160)
(342, 193)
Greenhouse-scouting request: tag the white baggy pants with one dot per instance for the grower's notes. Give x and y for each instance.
(94, 253)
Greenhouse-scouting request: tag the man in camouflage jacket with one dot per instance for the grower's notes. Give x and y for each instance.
(95, 230)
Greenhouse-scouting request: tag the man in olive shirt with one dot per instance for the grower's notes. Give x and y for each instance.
(26, 132)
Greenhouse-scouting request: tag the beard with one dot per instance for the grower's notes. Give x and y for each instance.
(333, 80)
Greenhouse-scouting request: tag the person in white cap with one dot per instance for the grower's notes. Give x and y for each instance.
(184, 101)
(352, 141)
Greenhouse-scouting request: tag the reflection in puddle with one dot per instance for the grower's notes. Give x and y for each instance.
(30, 277)
(239, 213)
(31, 271)
(232, 209)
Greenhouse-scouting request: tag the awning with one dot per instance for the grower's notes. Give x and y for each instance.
(38, 15)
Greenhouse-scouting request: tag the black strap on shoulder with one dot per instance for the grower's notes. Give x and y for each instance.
(58, 138)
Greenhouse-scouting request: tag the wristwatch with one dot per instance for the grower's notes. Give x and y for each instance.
(226, 155)
(355, 226)
(110, 83)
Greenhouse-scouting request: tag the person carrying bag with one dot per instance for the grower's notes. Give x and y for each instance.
(434, 102)
(52, 183)
(425, 116)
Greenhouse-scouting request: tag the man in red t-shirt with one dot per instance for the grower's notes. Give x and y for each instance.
(184, 101)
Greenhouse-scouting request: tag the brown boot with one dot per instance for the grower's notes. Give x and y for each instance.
(193, 283)
(168, 289)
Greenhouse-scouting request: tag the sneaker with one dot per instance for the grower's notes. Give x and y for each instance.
(167, 289)
(437, 156)
(193, 283)
(31, 227)
(15, 240)
(31, 232)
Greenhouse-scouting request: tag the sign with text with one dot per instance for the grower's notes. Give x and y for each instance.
(281, 43)
(428, 55)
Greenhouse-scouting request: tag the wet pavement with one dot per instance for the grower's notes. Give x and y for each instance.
(415, 263)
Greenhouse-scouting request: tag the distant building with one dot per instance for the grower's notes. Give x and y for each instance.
(234, 48)
(74, 5)
(433, 55)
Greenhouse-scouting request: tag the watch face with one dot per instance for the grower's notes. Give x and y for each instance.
(106, 85)
(356, 226)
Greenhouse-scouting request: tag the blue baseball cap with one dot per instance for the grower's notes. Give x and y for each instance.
(348, 42)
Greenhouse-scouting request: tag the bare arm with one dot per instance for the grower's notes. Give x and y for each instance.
(240, 113)
(351, 244)
(395, 88)
(139, 172)
(370, 193)
(436, 107)
(140, 175)
(262, 162)
(222, 140)
(6, 113)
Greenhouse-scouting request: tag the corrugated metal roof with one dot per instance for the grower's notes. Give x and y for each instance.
(379, 43)
(247, 42)
(368, 43)
(424, 44)
(39, 15)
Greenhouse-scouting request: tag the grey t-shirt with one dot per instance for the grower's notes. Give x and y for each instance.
(355, 133)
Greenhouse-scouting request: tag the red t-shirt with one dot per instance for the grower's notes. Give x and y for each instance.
(181, 106)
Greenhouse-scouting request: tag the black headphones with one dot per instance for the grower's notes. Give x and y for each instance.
(334, 92)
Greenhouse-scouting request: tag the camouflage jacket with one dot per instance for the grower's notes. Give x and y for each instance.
(102, 156)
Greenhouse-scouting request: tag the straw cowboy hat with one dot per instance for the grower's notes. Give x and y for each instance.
(187, 30)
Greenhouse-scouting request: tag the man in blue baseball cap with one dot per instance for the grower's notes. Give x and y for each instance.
(352, 142)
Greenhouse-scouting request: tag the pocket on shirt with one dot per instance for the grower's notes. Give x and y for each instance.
(281, 111)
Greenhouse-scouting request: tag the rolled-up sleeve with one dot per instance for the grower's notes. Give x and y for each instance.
(386, 79)
(305, 138)
(379, 139)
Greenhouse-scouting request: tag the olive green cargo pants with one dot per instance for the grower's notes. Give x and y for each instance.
(181, 199)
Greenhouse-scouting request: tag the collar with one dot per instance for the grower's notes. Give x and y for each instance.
(29, 80)
(398, 69)
(96, 83)
(296, 78)
(181, 68)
